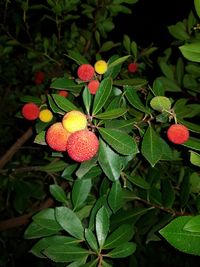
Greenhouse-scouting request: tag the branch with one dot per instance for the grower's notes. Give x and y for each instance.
(15, 147)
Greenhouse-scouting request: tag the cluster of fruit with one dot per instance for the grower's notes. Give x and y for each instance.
(72, 135)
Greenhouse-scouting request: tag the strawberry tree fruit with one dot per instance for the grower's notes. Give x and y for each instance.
(178, 134)
(30, 111)
(85, 72)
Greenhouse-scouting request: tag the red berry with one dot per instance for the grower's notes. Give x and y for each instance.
(39, 77)
(178, 134)
(93, 86)
(63, 93)
(85, 72)
(30, 111)
(82, 145)
(132, 67)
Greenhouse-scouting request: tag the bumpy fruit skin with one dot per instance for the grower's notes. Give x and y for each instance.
(39, 77)
(74, 121)
(57, 136)
(178, 134)
(93, 86)
(30, 111)
(132, 67)
(63, 93)
(85, 72)
(101, 66)
(45, 115)
(82, 145)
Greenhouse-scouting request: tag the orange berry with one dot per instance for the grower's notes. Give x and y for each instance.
(57, 136)
(30, 111)
(178, 134)
(93, 86)
(82, 145)
(85, 72)
(63, 93)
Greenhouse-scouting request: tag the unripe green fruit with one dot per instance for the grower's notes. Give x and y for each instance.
(74, 121)
(57, 136)
(160, 103)
(82, 145)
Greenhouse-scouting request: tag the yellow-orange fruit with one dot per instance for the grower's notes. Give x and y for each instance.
(93, 86)
(30, 111)
(45, 115)
(57, 136)
(74, 121)
(63, 93)
(82, 145)
(101, 66)
(178, 134)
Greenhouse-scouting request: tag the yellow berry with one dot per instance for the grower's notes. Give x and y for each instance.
(45, 115)
(101, 66)
(74, 121)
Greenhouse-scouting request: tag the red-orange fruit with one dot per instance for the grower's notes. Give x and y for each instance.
(93, 86)
(39, 77)
(178, 134)
(30, 111)
(85, 72)
(82, 145)
(63, 93)
(57, 136)
(132, 67)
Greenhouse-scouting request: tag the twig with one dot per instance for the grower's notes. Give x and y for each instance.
(15, 147)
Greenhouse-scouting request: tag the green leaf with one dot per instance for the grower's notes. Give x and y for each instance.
(151, 146)
(109, 161)
(158, 88)
(127, 43)
(169, 85)
(111, 114)
(119, 141)
(167, 70)
(70, 222)
(122, 251)
(102, 225)
(107, 46)
(65, 253)
(191, 126)
(118, 61)
(91, 263)
(35, 230)
(195, 183)
(168, 194)
(136, 82)
(54, 167)
(40, 138)
(193, 225)
(138, 181)
(122, 234)
(58, 193)
(191, 51)
(181, 239)
(91, 239)
(115, 196)
(64, 83)
(77, 57)
(64, 103)
(112, 72)
(197, 7)
(80, 191)
(46, 219)
(87, 99)
(179, 31)
(195, 158)
(53, 106)
(134, 100)
(121, 124)
(29, 98)
(102, 95)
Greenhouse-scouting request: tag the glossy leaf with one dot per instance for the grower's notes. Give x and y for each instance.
(138, 181)
(70, 222)
(77, 57)
(58, 193)
(151, 146)
(136, 82)
(181, 239)
(191, 51)
(80, 191)
(119, 141)
(115, 196)
(102, 225)
(111, 114)
(197, 7)
(91, 239)
(122, 234)
(87, 99)
(109, 161)
(35, 230)
(195, 158)
(123, 250)
(193, 225)
(102, 95)
(64, 103)
(118, 61)
(64, 83)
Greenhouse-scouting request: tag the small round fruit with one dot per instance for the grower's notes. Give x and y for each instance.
(85, 72)
(178, 134)
(132, 67)
(74, 121)
(30, 111)
(63, 93)
(45, 115)
(160, 103)
(39, 77)
(101, 66)
(93, 86)
(57, 136)
(82, 145)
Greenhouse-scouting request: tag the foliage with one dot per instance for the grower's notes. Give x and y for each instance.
(140, 188)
